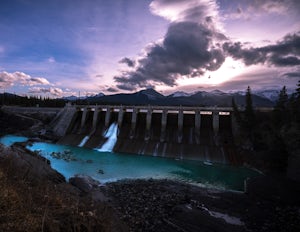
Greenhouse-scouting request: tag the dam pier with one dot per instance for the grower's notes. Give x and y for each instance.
(195, 133)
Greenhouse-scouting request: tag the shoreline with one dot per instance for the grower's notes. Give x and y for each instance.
(186, 181)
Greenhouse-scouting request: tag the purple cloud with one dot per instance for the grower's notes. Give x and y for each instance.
(129, 62)
(19, 78)
(284, 53)
(53, 91)
(187, 49)
(112, 90)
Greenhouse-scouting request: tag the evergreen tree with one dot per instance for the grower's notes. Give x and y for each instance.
(296, 104)
(282, 99)
(281, 112)
(298, 90)
(249, 112)
(236, 112)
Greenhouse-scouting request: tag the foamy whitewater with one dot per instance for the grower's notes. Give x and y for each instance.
(111, 134)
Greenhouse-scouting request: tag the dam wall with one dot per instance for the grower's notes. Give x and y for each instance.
(195, 133)
(63, 120)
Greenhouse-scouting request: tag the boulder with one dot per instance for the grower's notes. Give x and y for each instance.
(29, 165)
(84, 183)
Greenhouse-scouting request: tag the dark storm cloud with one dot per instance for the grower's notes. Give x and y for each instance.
(285, 61)
(112, 90)
(187, 49)
(249, 56)
(129, 62)
(289, 45)
(292, 75)
(194, 45)
(125, 85)
(284, 53)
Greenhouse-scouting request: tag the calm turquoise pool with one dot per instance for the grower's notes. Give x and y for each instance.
(8, 140)
(109, 166)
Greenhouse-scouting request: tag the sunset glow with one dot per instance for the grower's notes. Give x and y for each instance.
(128, 45)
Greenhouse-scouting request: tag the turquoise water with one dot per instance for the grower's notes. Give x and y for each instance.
(9, 140)
(108, 167)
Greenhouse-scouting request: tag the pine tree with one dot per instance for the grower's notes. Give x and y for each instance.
(298, 90)
(249, 112)
(296, 104)
(282, 99)
(236, 112)
(281, 112)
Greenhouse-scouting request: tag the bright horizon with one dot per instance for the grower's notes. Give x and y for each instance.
(59, 48)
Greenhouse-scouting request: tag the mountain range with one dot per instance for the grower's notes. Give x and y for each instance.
(265, 98)
(200, 98)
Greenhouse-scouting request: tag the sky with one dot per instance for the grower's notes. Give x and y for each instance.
(60, 48)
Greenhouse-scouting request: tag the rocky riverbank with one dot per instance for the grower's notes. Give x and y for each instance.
(26, 125)
(34, 197)
(37, 198)
(151, 205)
(11, 123)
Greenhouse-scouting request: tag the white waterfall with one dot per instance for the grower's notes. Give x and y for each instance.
(83, 141)
(111, 134)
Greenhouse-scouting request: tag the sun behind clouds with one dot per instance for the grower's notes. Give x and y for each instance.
(229, 69)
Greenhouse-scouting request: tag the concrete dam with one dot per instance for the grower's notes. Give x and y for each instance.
(195, 133)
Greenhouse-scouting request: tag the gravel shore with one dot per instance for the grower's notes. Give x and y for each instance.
(163, 205)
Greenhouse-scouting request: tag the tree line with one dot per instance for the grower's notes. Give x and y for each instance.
(30, 101)
(271, 138)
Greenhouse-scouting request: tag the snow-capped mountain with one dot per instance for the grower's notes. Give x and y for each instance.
(180, 94)
(99, 95)
(217, 92)
(270, 94)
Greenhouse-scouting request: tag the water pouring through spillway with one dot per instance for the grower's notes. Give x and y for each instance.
(85, 139)
(111, 135)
